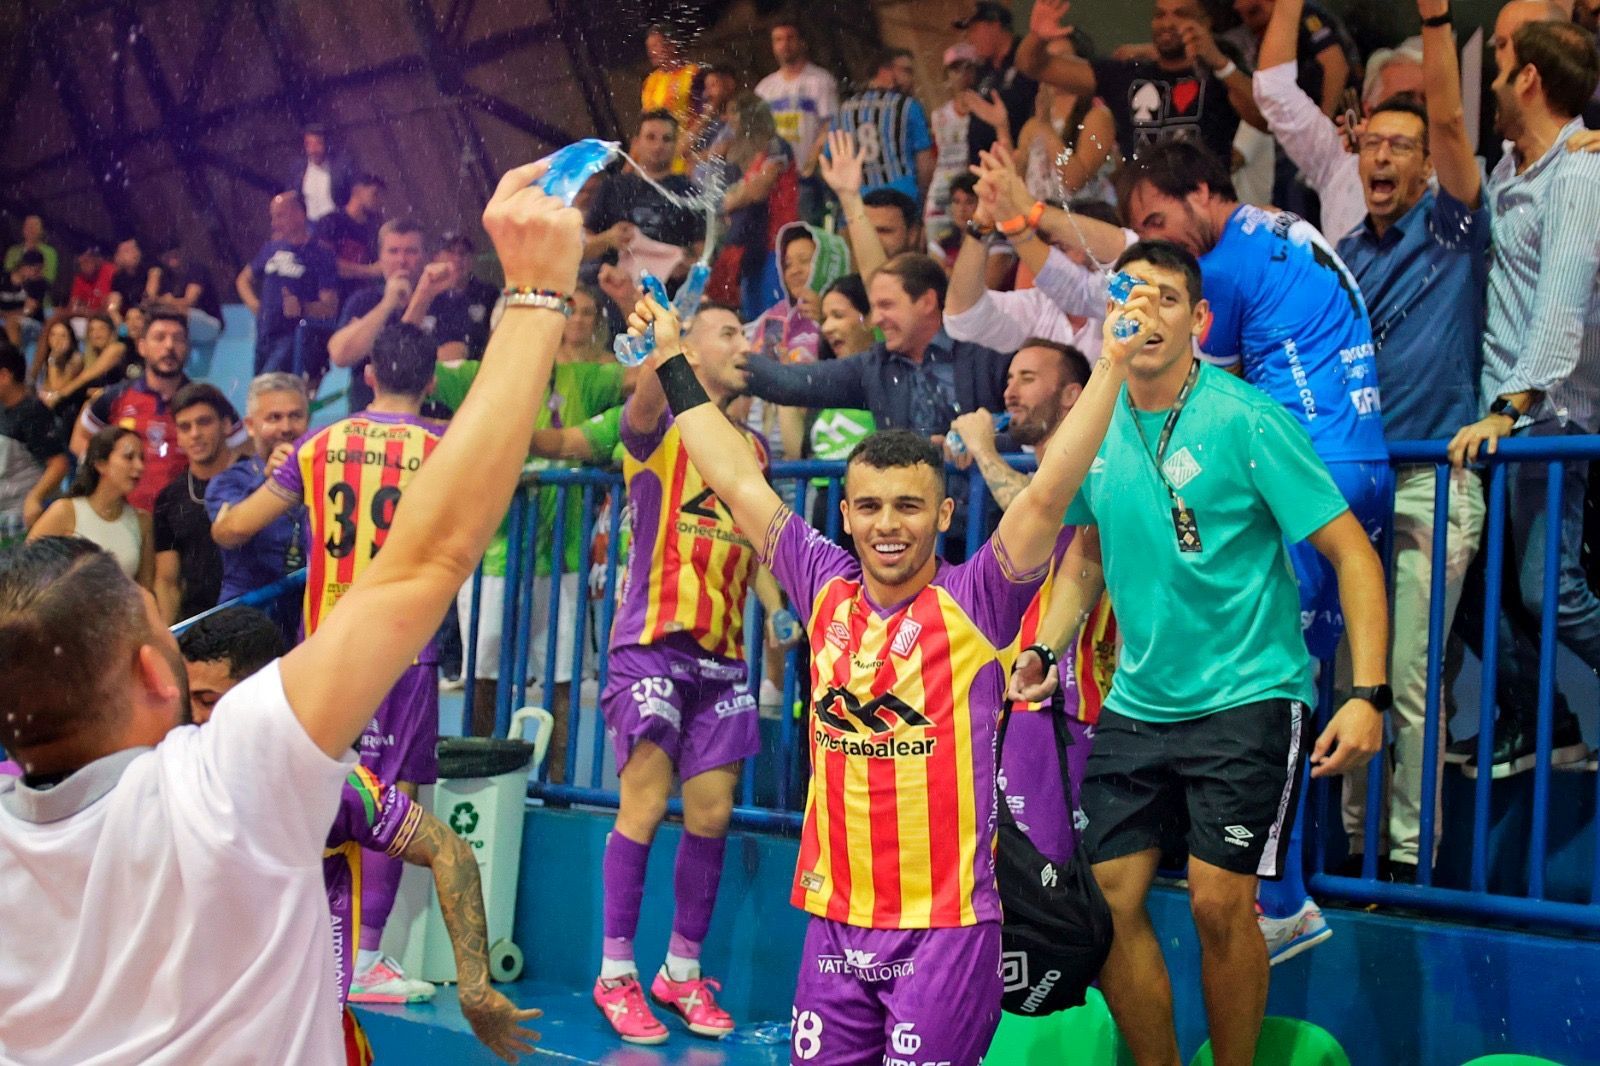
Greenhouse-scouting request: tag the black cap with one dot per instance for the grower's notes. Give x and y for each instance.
(986, 12)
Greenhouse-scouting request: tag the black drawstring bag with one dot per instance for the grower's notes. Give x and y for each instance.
(1055, 930)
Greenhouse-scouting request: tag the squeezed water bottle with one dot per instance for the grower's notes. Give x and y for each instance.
(692, 291)
(1119, 288)
(632, 350)
(959, 446)
(575, 164)
(785, 625)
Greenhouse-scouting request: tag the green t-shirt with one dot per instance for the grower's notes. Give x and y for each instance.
(578, 391)
(1214, 629)
(450, 383)
(604, 434)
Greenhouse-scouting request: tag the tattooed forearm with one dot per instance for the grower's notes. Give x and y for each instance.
(1004, 483)
(455, 875)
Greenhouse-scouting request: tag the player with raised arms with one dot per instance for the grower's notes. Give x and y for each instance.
(896, 859)
(126, 846)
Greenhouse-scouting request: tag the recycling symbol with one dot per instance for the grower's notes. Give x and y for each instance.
(464, 819)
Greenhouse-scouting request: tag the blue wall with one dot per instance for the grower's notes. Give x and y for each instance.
(1394, 991)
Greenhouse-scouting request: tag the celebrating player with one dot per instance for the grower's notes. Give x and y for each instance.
(224, 648)
(351, 477)
(110, 786)
(896, 855)
(676, 696)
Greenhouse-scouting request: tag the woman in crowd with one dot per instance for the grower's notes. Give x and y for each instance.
(97, 507)
(57, 364)
(106, 360)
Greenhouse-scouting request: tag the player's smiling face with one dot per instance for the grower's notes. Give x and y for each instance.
(895, 515)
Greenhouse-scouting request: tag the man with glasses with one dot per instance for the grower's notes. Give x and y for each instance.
(1420, 259)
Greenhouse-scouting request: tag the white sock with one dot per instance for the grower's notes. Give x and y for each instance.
(616, 969)
(681, 969)
(366, 959)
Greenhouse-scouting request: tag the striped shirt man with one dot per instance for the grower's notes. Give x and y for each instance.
(351, 476)
(1543, 301)
(892, 130)
(900, 816)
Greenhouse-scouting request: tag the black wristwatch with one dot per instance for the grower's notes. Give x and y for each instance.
(977, 232)
(1438, 20)
(1503, 406)
(1380, 696)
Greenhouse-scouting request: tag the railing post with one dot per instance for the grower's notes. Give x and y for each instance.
(581, 638)
(1494, 573)
(508, 611)
(1430, 722)
(977, 511)
(1539, 835)
(608, 610)
(469, 671)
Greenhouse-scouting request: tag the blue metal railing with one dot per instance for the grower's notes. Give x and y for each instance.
(770, 793)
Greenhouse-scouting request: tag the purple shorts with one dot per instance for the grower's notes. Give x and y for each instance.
(895, 997)
(691, 704)
(401, 743)
(1032, 781)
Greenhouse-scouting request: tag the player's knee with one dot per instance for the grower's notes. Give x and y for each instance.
(1221, 909)
(707, 816)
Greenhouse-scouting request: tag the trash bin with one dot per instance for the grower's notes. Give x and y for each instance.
(481, 795)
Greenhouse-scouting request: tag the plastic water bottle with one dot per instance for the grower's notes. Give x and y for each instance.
(785, 626)
(1119, 288)
(631, 350)
(692, 291)
(575, 164)
(959, 446)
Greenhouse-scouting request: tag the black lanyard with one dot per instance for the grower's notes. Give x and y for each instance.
(1160, 454)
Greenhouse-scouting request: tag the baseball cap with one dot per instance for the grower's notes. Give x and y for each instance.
(960, 53)
(986, 12)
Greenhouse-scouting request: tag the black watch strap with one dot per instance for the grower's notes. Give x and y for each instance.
(1438, 20)
(1045, 652)
(1380, 696)
(1503, 406)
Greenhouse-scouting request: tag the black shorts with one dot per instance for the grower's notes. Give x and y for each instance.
(1222, 788)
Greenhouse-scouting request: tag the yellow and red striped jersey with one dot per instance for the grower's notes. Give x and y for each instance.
(1088, 666)
(900, 816)
(688, 566)
(351, 476)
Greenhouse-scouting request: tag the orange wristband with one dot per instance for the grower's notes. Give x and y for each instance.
(1013, 226)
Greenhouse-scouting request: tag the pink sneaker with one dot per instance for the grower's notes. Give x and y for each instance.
(622, 1002)
(693, 1003)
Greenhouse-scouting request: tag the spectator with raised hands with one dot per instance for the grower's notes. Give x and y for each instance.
(1002, 97)
(884, 224)
(1152, 100)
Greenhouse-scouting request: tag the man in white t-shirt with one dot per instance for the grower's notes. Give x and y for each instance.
(169, 879)
(803, 98)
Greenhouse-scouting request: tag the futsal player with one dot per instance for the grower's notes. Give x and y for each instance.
(220, 950)
(902, 955)
(1043, 381)
(351, 477)
(224, 648)
(1201, 483)
(676, 698)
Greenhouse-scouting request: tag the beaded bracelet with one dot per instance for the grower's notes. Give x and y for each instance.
(545, 299)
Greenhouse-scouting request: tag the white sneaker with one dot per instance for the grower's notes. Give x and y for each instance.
(1300, 932)
(385, 982)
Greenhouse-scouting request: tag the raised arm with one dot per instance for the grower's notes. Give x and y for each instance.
(495, 1020)
(977, 433)
(1028, 528)
(1448, 140)
(841, 169)
(718, 450)
(998, 179)
(1034, 59)
(831, 383)
(458, 497)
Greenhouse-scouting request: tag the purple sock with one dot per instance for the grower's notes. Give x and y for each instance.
(380, 880)
(622, 878)
(694, 886)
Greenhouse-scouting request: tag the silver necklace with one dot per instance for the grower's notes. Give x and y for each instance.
(197, 499)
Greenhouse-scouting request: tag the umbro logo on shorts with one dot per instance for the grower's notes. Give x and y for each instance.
(1047, 876)
(1237, 835)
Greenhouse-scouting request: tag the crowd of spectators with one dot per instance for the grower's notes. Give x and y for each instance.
(889, 259)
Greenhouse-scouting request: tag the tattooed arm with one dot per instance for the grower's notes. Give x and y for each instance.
(977, 432)
(495, 1020)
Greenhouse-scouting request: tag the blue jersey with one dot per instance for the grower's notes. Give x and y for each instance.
(1283, 305)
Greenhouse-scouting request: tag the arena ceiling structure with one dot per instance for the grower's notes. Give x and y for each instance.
(177, 119)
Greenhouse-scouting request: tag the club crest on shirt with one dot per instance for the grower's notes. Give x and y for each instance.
(906, 637)
(1181, 468)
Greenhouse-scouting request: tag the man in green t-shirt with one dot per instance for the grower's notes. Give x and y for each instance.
(1200, 482)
